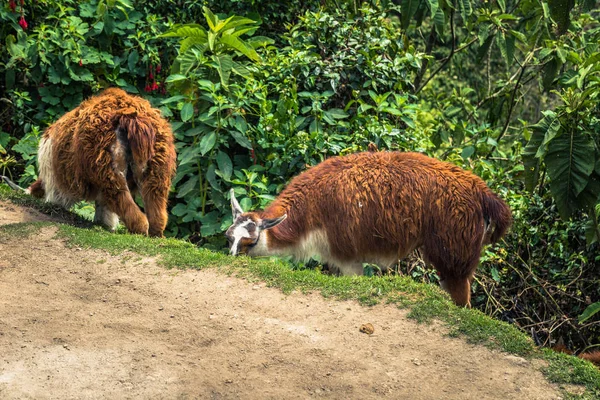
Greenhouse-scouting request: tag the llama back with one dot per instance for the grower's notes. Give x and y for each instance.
(368, 201)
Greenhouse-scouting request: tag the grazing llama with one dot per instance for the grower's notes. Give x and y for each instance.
(377, 207)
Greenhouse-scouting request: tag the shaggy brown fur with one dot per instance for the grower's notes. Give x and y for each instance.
(107, 149)
(382, 205)
(593, 357)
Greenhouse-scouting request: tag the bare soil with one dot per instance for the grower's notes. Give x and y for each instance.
(82, 324)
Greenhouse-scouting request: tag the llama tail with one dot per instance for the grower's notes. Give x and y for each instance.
(11, 184)
(36, 189)
(497, 213)
(138, 132)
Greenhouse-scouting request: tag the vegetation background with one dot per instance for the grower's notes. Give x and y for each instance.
(257, 91)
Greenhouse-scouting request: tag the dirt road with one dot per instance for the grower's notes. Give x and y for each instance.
(81, 324)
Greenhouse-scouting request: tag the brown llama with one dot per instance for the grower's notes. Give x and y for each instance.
(110, 147)
(377, 207)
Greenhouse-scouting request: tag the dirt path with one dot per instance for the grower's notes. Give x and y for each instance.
(81, 324)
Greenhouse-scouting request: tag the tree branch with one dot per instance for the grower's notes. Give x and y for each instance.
(447, 60)
(428, 49)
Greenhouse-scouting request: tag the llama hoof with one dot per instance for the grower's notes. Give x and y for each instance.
(139, 227)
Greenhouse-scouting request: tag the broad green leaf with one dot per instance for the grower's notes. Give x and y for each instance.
(589, 312)
(590, 196)
(464, 6)
(211, 40)
(520, 36)
(199, 43)
(239, 21)
(531, 162)
(241, 139)
(174, 78)
(238, 45)
(208, 142)
(560, 11)
(211, 19)
(241, 124)
(552, 129)
(484, 48)
(187, 112)
(549, 73)
(467, 152)
(211, 177)
(510, 48)
(391, 110)
(179, 210)
(570, 161)
(188, 155)
(246, 203)
(187, 187)
(433, 7)
(502, 5)
(501, 42)
(188, 30)
(225, 165)
(224, 63)
(221, 24)
(408, 9)
(439, 21)
(591, 232)
(337, 113)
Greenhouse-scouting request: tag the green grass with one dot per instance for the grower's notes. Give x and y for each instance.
(424, 302)
(566, 369)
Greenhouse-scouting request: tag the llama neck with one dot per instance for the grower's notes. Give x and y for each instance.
(265, 247)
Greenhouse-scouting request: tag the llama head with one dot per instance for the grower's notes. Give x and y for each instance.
(245, 232)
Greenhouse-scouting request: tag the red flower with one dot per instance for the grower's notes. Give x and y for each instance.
(147, 88)
(154, 86)
(151, 75)
(12, 5)
(158, 69)
(23, 23)
(22, 2)
(80, 63)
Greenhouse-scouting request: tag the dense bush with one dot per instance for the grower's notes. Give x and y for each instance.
(256, 91)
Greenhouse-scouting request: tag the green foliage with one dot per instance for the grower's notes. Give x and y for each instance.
(566, 369)
(589, 312)
(567, 139)
(251, 115)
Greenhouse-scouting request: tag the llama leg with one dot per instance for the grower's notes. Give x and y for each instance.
(121, 203)
(456, 267)
(155, 190)
(459, 290)
(154, 195)
(103, 216)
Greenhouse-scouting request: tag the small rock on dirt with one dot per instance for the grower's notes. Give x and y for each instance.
(520, 361)
(367, 328)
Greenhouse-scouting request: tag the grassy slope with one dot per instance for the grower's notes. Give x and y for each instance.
(425, 302)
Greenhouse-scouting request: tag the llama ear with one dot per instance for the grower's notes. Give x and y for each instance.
(271, 222)
(236, 209)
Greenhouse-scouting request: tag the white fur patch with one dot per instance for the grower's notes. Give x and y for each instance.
(313, 244)
(316, 244)
(53, 193)
(239, 232)
(105, 217)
